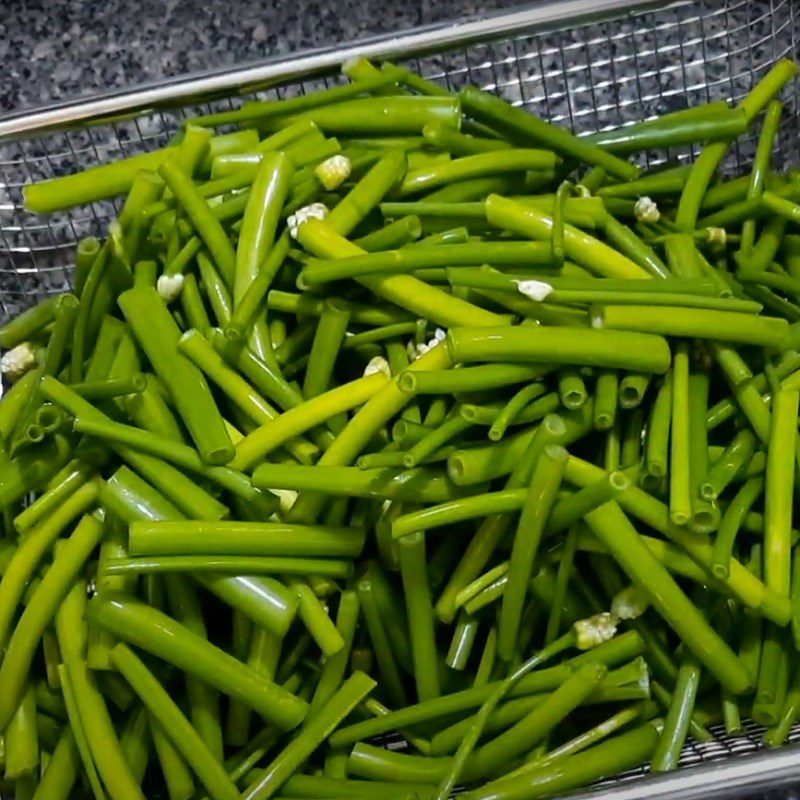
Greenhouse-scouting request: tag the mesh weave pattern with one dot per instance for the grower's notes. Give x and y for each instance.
(588, 77)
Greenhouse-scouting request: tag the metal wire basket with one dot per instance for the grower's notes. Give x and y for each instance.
(587, 65)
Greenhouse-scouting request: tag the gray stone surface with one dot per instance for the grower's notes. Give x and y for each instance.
(65, 48)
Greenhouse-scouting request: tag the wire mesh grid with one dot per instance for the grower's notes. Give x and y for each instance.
(588, 77)
(694, 754)
(724, 746)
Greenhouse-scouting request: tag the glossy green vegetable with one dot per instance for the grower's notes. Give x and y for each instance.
(40, 610)
(727, 326)
(587, 251)
(322, 408)
(91, 185)
(158, 335)
(545, 481)
(521, 126)
(580, 346)
(182, 735)
(612, 527)
(152, 630)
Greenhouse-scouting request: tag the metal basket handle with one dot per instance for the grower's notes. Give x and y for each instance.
(200, 87)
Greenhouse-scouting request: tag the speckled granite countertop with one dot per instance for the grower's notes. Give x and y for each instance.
(63, 49)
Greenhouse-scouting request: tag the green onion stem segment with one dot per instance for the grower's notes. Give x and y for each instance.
(706, 164)
(580, 346)
(207, 226)
(614, 529)
(172, 721)
(761, 168)
(155, 632)
(563, 775)
(295, 421)
(413, 571)
(779, 491)
(544, 485)
(469, 379)
(266, 601)
(98, 728)
(22, 735)
(731, 523)
(676, 725)
(40, 610)
(62, 770)
(521, 126)
(733, 459)
(744, 389)
(585, 250)
(158, 335)
(316, 729)
(231, 565)
(334, 669)
(742, 583)
(680, 485)
(395, 115)
(422, 256)
(267, 196)
(64, 485)
(514, 407)
(613, 652)
(194, 537)
(714, 124)
(91, 185)
(728, 326)
(409, 485)
(406, 291)
(459, 510)
(476, 166)
(202, 355)
(29, 323)
(367, 193)
(29, 553)
(181, 455)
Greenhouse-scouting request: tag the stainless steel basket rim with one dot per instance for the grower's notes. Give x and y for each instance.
(272, 70)
(741, 775)
(734, 773)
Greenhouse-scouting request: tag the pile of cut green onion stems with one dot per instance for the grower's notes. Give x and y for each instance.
(384, 410)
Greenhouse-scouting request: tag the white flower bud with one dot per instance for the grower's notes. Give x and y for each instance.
(378, 364)
(334, 171)
(535, 290)
(17, 361)
(630, 603)
(169, 287)
(313, 211)
(717, 236)
(349, 63)
(417, 350)
(594, 630)
(646, 210)
(286, 497)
